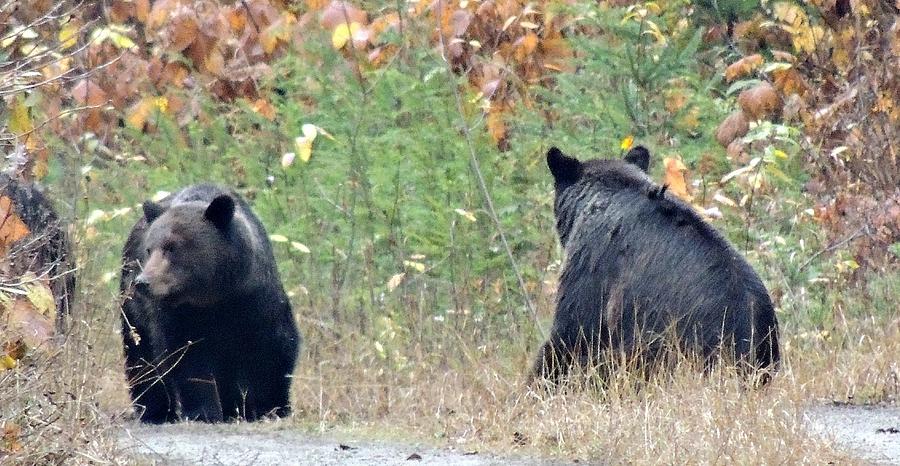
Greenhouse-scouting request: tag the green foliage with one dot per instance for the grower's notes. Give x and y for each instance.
(383, 230)
(390, 192)
(637, 74)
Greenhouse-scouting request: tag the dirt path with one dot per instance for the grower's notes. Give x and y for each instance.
(870, 432)
(198, 444)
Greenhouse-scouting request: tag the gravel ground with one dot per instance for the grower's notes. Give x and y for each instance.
(199, 444)
(871, 433)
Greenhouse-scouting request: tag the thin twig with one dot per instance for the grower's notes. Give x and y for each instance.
(482, 185)
(863, 230)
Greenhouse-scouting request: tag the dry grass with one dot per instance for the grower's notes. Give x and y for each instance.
(474, 397)
(60, 405)
(462, 384)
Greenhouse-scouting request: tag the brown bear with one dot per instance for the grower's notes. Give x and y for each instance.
(640, 267)
(207, 327)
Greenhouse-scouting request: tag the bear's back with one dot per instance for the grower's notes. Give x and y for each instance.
(648, 250)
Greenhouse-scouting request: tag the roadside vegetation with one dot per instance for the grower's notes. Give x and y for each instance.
(395, 153)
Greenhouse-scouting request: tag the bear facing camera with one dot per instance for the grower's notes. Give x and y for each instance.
(207, 328)
(645, 275)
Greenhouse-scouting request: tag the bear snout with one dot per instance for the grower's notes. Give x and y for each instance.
(141, 282)
(156, 276)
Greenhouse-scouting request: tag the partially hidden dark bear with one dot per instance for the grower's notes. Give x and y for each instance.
(644, 275)
(45, 251)
(207, 327)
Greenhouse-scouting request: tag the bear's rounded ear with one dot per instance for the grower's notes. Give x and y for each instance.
(152, 211)
(565, 169)
(639, 156)
(220, 211)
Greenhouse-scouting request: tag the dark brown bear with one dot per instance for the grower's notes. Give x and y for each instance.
(208, 330)
(45, 251)
(644, 274)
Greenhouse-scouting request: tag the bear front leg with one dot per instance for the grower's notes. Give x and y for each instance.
(198, 390)
(553, 361)
(155, 400)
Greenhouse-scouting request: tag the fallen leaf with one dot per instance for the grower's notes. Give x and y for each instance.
(264, 108)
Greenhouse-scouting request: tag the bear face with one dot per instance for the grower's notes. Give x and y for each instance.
(190, 249)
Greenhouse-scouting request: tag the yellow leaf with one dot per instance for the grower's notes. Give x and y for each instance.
(278, 238)
(789, 13)
(395, 281)
(342, 34)
(7, 362)
(68, 35)
(627, 142)
(743, 67)
(303, 147)
(41, 298)
(139, 113)
(20, 120)
(417, 266)
(466, 214)
(300, 247)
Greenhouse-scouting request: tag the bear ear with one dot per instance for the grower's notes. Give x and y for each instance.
(220, 211)
(152, 211)
(566, 170)
(639, 156)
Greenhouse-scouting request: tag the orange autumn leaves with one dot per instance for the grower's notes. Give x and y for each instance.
(167, 47)
(27, 308)
(502, 46)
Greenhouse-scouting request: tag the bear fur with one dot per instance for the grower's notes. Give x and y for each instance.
(46, 251)
(645, 274)
(207, 328)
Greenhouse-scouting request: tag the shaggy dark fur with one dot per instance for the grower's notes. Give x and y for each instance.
(46, 250)
(208, 330)
(641, 266)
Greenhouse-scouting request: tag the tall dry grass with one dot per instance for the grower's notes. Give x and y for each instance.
(473, 396)
(451, 385)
